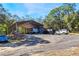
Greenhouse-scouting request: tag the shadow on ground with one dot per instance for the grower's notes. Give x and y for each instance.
(31, 41)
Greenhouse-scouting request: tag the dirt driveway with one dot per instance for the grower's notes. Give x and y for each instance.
(57, 42)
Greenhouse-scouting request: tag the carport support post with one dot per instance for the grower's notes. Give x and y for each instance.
(16, 26)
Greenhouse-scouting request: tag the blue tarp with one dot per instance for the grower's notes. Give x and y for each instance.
(4, 38)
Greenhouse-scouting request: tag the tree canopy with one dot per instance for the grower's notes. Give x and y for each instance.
(64, 16)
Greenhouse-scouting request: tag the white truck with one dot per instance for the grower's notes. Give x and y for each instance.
(62, 31)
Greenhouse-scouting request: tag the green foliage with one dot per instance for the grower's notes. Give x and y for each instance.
(2, 29)
(6, 20)
(64, 16)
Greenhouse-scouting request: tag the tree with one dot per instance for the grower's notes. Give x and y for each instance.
(6, 19)
(54, 19)
(62, 16)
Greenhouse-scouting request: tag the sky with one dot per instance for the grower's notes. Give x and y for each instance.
(35, 10)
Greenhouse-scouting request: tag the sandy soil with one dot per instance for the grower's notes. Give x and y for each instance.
(60, 45)
(65, 52)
